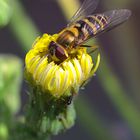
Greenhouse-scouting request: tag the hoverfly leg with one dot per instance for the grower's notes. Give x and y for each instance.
(91, 49)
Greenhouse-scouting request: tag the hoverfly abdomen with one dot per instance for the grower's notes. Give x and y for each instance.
(90, 26)
(101, 19)
(84, 29)
(94, 23)
(97, 22)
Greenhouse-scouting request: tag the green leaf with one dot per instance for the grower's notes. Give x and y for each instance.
(3, 131)
(5, 12)
(10, 81)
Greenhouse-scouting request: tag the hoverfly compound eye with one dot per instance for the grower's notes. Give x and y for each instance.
(52, 51)
(52, 48)
(57, 52)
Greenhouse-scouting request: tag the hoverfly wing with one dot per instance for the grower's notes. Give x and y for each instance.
(87, 8)
(114, 19)
(111, 18)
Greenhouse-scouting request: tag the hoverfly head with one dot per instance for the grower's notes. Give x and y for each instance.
(57, 52)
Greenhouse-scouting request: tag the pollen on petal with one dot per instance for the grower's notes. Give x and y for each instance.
(43, 74)
(78, 70)
(72, 73)
(42, 63)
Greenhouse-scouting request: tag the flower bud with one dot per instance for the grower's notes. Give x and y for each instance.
(58, 79)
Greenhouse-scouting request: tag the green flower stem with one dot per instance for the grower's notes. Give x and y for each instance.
(22, 26)
(68, 9)
(90, 120)
(118, 96)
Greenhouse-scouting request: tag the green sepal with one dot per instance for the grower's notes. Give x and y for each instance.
(48, 115)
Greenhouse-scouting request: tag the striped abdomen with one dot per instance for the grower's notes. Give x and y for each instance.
(90, 26)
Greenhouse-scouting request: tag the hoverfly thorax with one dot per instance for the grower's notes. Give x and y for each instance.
(66, 38)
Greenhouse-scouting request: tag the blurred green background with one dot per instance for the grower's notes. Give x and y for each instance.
(109, 106)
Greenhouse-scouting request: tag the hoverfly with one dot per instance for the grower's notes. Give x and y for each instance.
(83, 27)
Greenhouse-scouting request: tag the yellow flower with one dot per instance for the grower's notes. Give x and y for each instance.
(58, 79)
